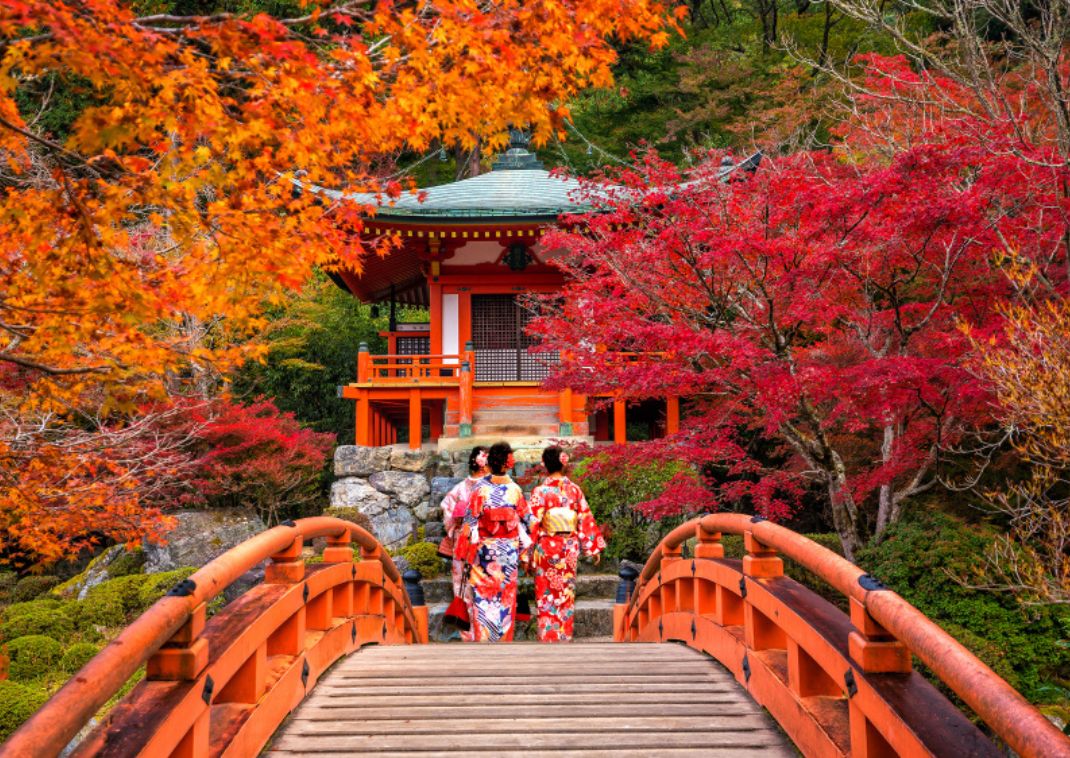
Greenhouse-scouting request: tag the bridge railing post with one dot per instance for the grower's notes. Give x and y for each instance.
(761, 562)
(871, 646)
(287, 566)
(185, 655)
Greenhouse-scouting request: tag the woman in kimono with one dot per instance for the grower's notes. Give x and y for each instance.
(494, 534)
(564, 529)
(454, 506)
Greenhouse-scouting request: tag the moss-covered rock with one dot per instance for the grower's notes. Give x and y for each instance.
(17, 703)
(77, 655)
(32, 656)
(129, 562)
(123, 592)
(52, 623)
(29, 587)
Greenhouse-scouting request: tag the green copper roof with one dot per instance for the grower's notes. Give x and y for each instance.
(517, 187)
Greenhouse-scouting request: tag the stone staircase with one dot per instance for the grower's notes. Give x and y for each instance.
(595, 595)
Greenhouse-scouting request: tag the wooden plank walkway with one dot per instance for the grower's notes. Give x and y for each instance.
(523, 699)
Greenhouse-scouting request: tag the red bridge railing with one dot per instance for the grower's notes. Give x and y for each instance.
(224, 684)
(837, 684)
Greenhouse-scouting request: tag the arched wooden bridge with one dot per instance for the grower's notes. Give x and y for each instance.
(255, 676)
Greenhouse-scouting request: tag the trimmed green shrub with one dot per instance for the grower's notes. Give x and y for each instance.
(30, 587)
(77, 655)
(17, 703)
(424, 557)
(929, 557)
(32, 656)
(52, 623)
(31, 606)
(104, 610)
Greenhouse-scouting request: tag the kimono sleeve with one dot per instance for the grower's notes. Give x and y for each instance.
(450, 504)
(537, 505)
(591, 540)
(466, 543)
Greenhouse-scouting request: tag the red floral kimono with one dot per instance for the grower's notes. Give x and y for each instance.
(564, 528)
(493, 535)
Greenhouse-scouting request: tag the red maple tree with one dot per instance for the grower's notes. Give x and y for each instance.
(815, 314)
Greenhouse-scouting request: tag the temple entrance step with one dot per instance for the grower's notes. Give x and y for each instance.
(516, 431)
(522, 699)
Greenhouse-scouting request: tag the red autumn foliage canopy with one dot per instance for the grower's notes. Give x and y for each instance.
(816, 312)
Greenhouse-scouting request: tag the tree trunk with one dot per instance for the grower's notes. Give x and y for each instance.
(845, 514)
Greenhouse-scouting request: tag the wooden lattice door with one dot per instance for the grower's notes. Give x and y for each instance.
(501, 344)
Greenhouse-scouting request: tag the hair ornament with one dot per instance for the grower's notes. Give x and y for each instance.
(481, 459)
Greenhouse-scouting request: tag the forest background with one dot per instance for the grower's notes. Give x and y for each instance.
(986, 561)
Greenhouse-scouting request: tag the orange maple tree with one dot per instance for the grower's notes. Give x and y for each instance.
(142, 247)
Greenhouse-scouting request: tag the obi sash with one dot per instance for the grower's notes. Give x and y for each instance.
(560, 520)
(499, 522)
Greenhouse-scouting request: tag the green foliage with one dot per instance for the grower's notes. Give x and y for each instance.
(49, 622)
(313, 345)
(613, 498)
(17, 703)
(32, 655)
(424, 557)
(119, 593)
(30, 587)
(156, 586)
(929, 557)
(77, 655)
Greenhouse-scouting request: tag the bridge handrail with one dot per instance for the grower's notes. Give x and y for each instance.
(999, 705)
(52, 728)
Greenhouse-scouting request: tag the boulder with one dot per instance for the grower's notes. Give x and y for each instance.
(434, 531)
(352, 492)
(412, 460)
(424, 512)
(392, 525)
(406, 488)
(199, 537)
(358, 460)
(440, 487)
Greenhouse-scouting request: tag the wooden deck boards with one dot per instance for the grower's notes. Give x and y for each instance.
(582, 700)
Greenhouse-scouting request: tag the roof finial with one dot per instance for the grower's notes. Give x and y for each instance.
(518, 155)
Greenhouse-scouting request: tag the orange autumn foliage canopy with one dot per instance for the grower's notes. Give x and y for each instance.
(141, 247)
(170, 198)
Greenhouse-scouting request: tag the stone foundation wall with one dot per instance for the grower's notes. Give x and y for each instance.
(398, 490)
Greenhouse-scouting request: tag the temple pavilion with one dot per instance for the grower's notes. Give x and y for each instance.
(470, 251)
